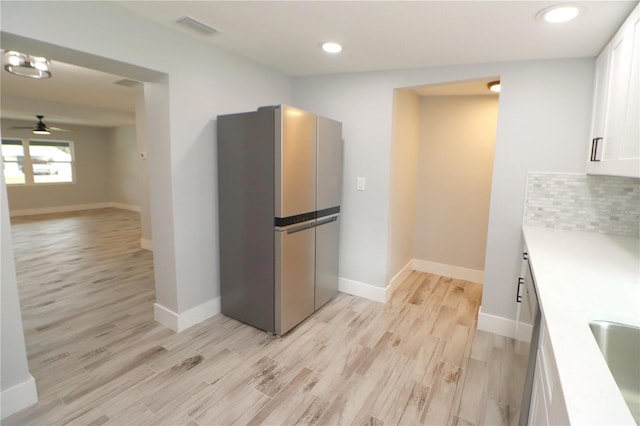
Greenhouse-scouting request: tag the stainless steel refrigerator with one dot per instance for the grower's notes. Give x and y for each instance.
(279, 192)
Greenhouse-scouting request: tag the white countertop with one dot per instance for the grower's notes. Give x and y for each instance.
(582, 276)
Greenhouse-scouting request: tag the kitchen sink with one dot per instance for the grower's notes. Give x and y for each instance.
(620, 346)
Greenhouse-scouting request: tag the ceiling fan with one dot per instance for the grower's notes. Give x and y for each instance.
(41, 128)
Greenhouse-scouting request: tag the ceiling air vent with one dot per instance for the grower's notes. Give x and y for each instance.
(198, 26)
(126, 82)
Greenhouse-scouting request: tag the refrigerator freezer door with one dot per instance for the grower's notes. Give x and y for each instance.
(327, 241)
(329, 164)
(245, 199)
(294, 291)
(295, 162)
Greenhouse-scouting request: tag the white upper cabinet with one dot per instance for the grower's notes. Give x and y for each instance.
(615, 130)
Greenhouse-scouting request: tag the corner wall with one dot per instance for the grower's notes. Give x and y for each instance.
(143, 146)
(364, 105)
(405, 141)
(455, 163)
(17, 386)
(543, 125)
(124, 171)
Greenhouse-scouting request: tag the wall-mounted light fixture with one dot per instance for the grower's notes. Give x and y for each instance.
(27, 66)
(494, 86)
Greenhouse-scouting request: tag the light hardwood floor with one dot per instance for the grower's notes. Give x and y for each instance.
(98, 357)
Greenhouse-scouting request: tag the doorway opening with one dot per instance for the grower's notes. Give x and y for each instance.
(441, 170)
(101, 296)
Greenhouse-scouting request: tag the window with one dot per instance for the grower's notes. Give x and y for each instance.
(51, 161)
(13, 161)
(37, 161)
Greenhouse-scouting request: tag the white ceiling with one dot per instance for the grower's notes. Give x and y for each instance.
(382, 35)
(286, 35)
(72, 95)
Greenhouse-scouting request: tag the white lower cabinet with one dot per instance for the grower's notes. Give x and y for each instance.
(547, 400)
(538, 414)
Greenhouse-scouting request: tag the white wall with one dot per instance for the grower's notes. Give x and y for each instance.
(455, 164)
(402, 187)
(91, 159)
(17, 387)
(201, 82)
(143, 146)
(124, 171)
(364, 105)
(542, 125)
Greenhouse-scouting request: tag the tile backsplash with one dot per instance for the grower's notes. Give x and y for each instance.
(604, 204)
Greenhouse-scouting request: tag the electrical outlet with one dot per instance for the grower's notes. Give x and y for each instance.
(360, 185)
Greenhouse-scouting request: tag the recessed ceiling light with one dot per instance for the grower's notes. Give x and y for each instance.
(494, 86)
(560, 13)
(332, 47)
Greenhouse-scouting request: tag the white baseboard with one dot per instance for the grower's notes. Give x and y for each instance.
(450, 271)
(398, 279)
(379, 294)
(368, 291)
(72, 208)
(146, 244)
(524, 332)
(166, 317)
(59, 209)
(130, 207)
(18, 397)
(496, 325)
(188, 318)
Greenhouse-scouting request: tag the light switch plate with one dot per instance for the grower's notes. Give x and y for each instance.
(360, 185)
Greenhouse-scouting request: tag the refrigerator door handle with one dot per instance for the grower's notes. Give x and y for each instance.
(300, 228)
(325, 221)
(292, 229)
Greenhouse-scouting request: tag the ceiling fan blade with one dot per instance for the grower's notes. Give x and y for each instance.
(40, 126)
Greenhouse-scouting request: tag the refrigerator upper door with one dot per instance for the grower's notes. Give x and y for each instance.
(294, 291)
(327, 242)
(329, 172)
(295, 162)
(245, 199)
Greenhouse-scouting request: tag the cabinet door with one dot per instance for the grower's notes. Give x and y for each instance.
(538, 413)
(616, 114)
(631, 134)
(617, 102)
(528, 304)
(600, 96)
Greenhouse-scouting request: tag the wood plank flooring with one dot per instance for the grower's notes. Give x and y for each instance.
(98, 356)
